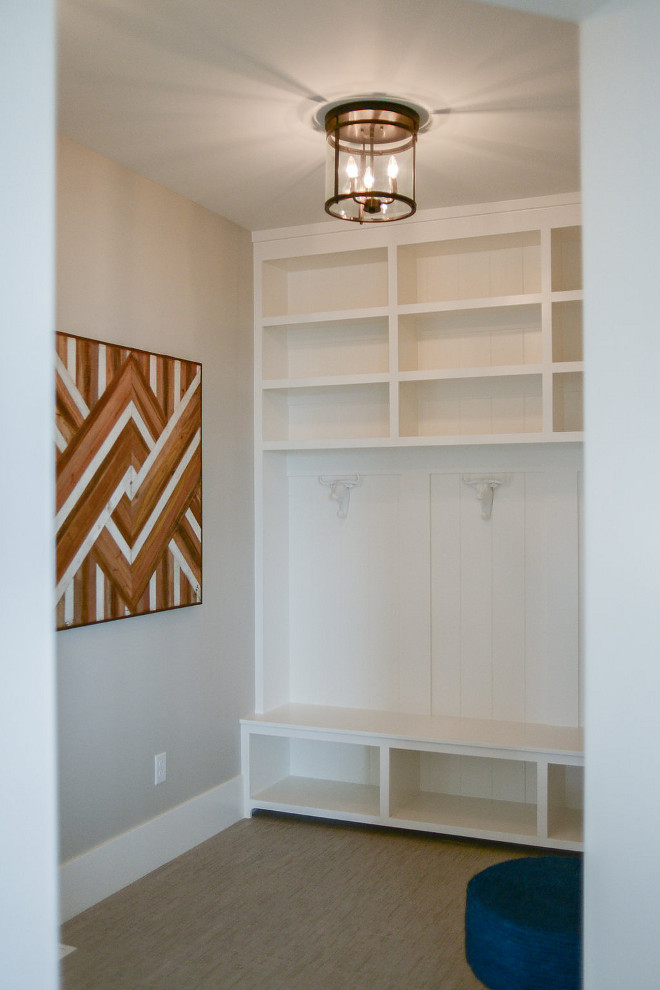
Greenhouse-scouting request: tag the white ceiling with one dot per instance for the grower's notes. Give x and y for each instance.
(216, 99)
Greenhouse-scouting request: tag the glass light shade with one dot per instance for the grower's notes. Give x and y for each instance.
(370, 161)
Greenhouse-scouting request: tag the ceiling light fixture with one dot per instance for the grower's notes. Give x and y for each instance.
(370, 161)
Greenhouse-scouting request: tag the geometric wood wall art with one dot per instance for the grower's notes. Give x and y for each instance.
(129, 482)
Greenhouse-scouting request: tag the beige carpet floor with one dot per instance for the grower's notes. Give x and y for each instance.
(276, 903)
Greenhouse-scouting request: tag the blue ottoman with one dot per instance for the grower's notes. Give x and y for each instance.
(523, 924)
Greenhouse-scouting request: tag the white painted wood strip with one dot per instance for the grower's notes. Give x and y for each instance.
(508, 600)
(444, 440)
(414, 673)
(567, 744)
(344, 597)
(537, 619)
(102, 369)
(482, 371)
(71, 355)
(471, 814)
(311, 795)
(68, 601)
(562, 696)
(68, 381)
(331, 317)
(324, 381)
(552, 617)
(177, 384)
(274, 684)
(445, 595)
(100, 594)
(153, 373)
(332, 760)
(485, 302)
(194, 525)
(385, 502)
(476, 608)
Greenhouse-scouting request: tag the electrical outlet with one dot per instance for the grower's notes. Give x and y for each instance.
(160, 768)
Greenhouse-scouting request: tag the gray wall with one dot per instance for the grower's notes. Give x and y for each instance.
(141, 266)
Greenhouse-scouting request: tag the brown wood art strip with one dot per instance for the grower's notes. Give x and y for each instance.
(124, 544)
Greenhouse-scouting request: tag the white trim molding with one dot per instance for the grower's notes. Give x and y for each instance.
(89, 878)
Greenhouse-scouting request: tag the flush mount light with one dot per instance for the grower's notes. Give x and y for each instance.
(370, 163)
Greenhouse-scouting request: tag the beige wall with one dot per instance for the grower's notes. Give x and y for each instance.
(141, 266)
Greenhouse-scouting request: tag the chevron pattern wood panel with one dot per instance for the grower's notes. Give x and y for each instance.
(129, 482)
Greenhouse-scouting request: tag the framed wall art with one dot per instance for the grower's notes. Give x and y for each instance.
(129, 482)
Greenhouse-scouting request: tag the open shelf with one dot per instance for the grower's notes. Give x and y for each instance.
(309, 795)
(330, 347)
(342, 412)
(457, 792)
(458, 776)
(470, 338)
(565, 802)
(567, 331)
(567, 402)
(471, 406)
(325, 282)
(566, 247)
(314, 776)
(470, 268)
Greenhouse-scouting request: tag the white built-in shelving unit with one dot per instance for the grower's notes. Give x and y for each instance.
(418, 662)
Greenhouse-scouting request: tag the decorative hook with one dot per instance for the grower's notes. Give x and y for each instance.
(484, 490)
(340, 491)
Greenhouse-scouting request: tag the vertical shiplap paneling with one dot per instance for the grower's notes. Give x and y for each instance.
(359, 592)
(552, 598)
(504, 599)
(414, 574)
(537, 619)
(580, 598)
(381, 567)
(445, 595)
(419, 607)
(476, 607)
(553, 692)
(328, 596)
(508, 599)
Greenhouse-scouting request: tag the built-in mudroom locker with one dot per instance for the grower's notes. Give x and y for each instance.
(418, 437)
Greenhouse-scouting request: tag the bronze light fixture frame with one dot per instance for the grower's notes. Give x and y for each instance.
(371, 133)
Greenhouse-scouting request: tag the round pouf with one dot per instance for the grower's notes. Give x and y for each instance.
(523, 924)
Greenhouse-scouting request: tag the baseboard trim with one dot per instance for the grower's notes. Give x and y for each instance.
(95, 875)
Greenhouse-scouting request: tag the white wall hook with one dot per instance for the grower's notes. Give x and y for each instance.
(484, 490)
(340, 491)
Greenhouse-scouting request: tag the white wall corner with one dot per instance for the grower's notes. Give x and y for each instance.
(89, 878)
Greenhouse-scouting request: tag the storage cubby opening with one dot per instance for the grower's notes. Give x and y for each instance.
(565, 802)
(567, 401)
(342, 412)
(314, 774)
(566, 248)
(325, 282)
(464, 792)
(472, 338)
(470, 268)
(471, 406)
(332, 347)
(567, 331)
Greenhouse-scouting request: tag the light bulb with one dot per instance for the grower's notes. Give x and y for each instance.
(393, 167)
(351, 168)
(368, 178)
